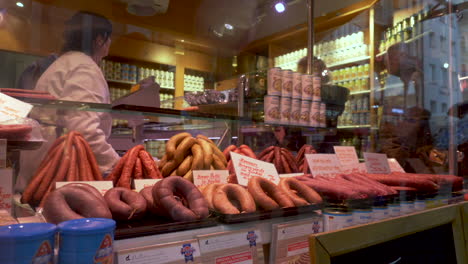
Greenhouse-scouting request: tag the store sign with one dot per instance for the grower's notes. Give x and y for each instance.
(6, 189)
(395, 166)
(246, 168)
(3, 153)
(346, 155)
(11, 108)
(140, 184)
(102, 186)
(205, 177)
(323, 164)
(233, 247)
(180, 252)
(376, 163)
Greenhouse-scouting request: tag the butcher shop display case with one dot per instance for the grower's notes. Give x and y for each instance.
(235, 131)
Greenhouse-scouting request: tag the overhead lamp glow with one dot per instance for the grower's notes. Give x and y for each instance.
(228, 26)
(280, 7)
(19, 4)
(446, 65)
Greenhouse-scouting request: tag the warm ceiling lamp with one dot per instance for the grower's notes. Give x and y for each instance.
(280, 7)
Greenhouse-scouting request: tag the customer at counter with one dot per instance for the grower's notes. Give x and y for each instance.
(76, 76)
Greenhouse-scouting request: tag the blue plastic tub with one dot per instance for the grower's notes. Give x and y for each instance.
(86, 240)
(27, 243)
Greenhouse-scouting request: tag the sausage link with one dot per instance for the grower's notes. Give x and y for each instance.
(207, 153)
(173, 142)
(265, 151)
(97, 175)
(227, 151)
(126, 177)
(183, 149)
(185, 166)
(198, 159)
(148, 165)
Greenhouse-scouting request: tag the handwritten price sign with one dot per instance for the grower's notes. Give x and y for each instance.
(246, 168)
(346, 155)
(140, 184)
(12, 108)
(376, 163)
(323, 164)
(205, 177)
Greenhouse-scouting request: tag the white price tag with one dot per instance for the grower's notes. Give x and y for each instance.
(178, 252)
(346, 155)
(246, 168)
(228, 240)
(205, 177)
(11, 108)
(376, 163)
(142, 183)
(102, 186)
(323, 164)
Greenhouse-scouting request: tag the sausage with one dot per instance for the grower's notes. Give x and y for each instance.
(148, 165)
(277, 160)
(298, 192)
(125, 204)
(27, 196)
(185, 166)
(331, 191)
(267, 195)
(163, 196)
(300, 154)
(91, 158)
(189, 175)
(200, 136)
(227, 151)
(126, 177)
(290, 159)
(168, 168)
(421, 184)
(208, 192)
(198, 159)
(247, 151)
(68, 202)
(83, 164)
(56, 146)
(265, 151)
(138, 170)
(72, 171)
(285, 165)
(382, 189)
(219, 154)
(148, 196)
(232, 178)
(173, 142)
(218, 164)
(269, 156)
(183, 149)
(207, 153)
(89, 188)
(162, 162)
(228, 194)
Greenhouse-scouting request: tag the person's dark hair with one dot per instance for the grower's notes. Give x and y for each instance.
(82, 30)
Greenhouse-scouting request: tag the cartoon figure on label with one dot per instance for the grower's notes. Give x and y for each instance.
(44, 254)
(104, 253)
(187, 250)
(252, 238)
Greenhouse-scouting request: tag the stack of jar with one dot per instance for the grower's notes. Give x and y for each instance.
(157, 148)
(289, 61)
(119, 71)
(344, 48)
(193, 83)
(294, 99)
(164, 78)
(167, 100)
(355, 78)
(356, 111)
(116, 93)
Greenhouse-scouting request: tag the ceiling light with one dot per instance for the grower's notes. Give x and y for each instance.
(446, 65)
(19, 4)
(228, 26)
(280, 7)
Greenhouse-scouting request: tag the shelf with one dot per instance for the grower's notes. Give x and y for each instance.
(407, 42)
(133, 83)
(353, 126)
(360, 92)
(349, 61)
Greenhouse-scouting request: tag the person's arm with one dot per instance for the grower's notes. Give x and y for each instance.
(85, 84)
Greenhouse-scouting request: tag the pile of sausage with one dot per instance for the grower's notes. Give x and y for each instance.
(260, 193)
(137, 163)
(173, 198)
(185, 154)
(242, 150)
(16, 132)
(301, 161)
(69, 159)
(281, 158)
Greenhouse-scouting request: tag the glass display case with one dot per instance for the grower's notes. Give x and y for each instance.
(229, 104)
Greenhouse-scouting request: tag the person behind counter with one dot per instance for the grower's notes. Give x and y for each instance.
(76, 76)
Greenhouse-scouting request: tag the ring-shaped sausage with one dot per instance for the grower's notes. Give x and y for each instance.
(298, 192)
(233, 199)
(267, 195)
(164, 193)
(72, 202)
(125, 204)
(208, 192)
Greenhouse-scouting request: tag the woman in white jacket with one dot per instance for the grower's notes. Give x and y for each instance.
(76, 76)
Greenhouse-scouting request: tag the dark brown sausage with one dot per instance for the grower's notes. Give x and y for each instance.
(125, 204)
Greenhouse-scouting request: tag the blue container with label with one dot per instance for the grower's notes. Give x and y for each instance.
(27, 243)
(86, 240)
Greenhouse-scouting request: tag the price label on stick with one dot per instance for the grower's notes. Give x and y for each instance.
(11, 108)
(323, 164)
(246, 168)
(102, 186)
(376, 163)
(346, 155)
(140, 184)
(205, 177)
